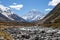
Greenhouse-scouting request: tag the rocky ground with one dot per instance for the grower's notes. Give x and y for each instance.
(34, 33)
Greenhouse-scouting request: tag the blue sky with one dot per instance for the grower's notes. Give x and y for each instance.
(21, 7)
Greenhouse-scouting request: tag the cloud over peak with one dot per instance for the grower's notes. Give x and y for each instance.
(48, 9)
(54, 2)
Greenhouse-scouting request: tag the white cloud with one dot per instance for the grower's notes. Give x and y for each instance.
(54, 2)
(17, 7)
(48, 9)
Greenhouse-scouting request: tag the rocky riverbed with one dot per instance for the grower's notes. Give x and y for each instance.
(34, 33)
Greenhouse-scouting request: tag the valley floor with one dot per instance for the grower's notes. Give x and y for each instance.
(32, 33)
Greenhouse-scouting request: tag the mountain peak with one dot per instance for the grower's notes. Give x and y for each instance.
(8, 14)
(3, 8)
(33, 15)
(34, 11)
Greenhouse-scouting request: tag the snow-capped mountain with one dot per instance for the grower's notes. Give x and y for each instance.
(33, 15)
(7, 15)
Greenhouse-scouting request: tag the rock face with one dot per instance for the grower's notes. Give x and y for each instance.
(33, 15)
(53, 16)
(3, 18)
(7, 15)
